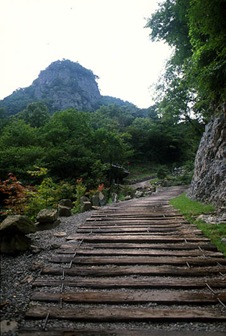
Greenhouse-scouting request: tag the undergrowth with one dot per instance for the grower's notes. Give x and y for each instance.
(191, 210)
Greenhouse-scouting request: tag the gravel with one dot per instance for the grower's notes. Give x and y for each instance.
(18, 272)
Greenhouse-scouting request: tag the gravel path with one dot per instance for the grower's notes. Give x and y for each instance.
(18, 273)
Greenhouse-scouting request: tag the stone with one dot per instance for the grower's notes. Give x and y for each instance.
(114, 197)
(66, 202)
(64, 211)
(139, 193)
(7, 326)
(47, 216)
(95, 200)
(86, 206)
(102, 199)
(13, 231)
(47, 225)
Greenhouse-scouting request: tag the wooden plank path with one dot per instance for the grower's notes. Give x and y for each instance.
(137, 264)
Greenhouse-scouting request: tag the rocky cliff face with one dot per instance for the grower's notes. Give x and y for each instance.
(63, 84)
(67, 84)
(209, 180)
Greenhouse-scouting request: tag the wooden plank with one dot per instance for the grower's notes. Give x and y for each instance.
(139, 260)
(139, 252)
(133, 225)
(136, 239)
(115, 229)
(173, 297)
(126, 314)
(136, 214)
(174, 246)
(115, 332)
(139, 221)
(99, 271)
(136, 283)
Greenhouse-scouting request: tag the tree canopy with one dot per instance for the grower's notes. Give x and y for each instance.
(196, 73)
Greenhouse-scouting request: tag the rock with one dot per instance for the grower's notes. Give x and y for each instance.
(139, 194)
(128, 197)
(223, 240)
(66, 202)
(7, 326)
(47, 216)
(17, 223)
(102, 199)
(95, 200)
(209, 180)
(64, 211)
(86, 206)
(213, 219)
(60, 234)
(114, 197)
(13, 232)
(47, 225)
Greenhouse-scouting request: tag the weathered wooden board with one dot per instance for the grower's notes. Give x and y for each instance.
(136, 283)
(127, 230)
(136, 238)
(137, 297)
(145, 233)
(126, 314)
(139, 252)
(172, 246)
(139, 260)
(99, 271)
(114, 332)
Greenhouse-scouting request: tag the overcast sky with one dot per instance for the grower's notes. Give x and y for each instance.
(105, 36)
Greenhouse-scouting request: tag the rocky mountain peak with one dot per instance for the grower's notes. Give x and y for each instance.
(63, 84)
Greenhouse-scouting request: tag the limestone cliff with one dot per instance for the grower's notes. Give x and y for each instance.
(209, 180)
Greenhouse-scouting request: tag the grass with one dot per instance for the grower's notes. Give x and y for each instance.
(191, 210)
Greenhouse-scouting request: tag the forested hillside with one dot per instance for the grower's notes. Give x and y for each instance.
(82, 142)
(63, 84)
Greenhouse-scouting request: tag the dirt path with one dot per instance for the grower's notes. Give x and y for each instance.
(133, 268)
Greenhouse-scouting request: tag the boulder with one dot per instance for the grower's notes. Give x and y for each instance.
(64, 211)
(86, 206)
(47, 219)
(66, 202)
(96, 200)
(13, 231)
(47, 216)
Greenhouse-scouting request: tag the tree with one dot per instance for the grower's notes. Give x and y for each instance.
(196, 31)
(36, 114)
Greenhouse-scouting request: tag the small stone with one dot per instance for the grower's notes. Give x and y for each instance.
(60, 234)
(7, 326)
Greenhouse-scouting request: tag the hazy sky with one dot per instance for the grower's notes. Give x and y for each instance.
(105, 36)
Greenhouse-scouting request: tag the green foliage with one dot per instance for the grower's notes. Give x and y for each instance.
(80, 190)
(195, 77)
(41, 198)
(191, 210)
(36, 114)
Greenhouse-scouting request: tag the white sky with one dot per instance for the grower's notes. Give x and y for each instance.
(105, 36)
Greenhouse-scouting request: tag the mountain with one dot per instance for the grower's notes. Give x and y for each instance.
(63, 84)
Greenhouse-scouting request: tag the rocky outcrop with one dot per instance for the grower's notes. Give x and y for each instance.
(63, 84)
(209, 180)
